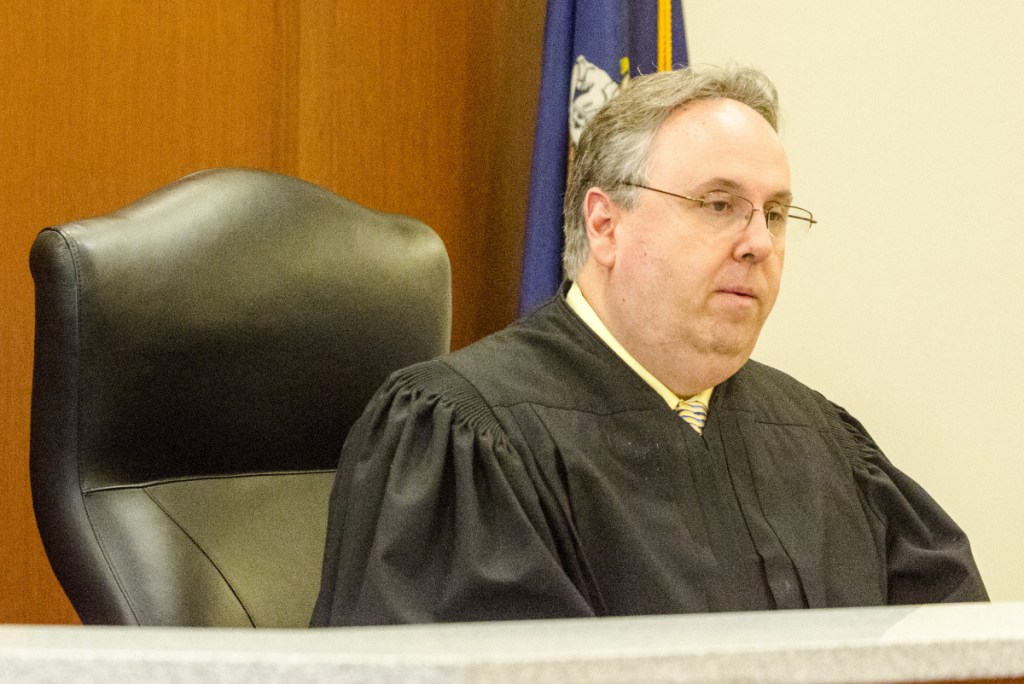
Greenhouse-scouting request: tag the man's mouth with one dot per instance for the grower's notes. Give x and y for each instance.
(738, 292)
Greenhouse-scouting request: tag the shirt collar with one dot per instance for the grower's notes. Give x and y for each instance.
(579, 304)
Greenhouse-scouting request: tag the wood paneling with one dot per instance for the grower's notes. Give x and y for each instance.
(437, 124)
(422, 108)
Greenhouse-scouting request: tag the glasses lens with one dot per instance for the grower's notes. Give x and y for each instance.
(799, 223)
(723, 211)
(775, 216)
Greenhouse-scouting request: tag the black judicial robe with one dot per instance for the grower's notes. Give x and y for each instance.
(535, 475)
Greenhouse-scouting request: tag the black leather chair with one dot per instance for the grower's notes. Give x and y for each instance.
(199, 358)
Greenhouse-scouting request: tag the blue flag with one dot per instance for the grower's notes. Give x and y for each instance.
(590, 47)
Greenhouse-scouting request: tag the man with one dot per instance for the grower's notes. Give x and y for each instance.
(545, 471)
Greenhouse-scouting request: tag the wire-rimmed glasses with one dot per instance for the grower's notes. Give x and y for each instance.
(725, 212)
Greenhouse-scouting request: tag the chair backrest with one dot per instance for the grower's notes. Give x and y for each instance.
(200, 356)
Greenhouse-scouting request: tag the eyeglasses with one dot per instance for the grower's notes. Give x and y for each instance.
(728, 213)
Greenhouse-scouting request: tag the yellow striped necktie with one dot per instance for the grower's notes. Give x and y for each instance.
(694, 412)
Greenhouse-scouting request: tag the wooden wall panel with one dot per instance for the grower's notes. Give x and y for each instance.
(425, 108)
(437, 123)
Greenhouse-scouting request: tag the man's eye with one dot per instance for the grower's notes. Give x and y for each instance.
(775, 214)
(718, 206)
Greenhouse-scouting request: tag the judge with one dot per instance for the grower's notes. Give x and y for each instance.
(617, 452)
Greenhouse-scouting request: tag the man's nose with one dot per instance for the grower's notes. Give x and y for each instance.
(756, 241)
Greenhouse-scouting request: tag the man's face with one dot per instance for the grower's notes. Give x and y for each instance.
(676, 284)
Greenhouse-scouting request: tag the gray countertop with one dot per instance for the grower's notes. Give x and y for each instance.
(948, 642)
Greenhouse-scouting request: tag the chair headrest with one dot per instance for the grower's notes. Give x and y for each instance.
(234, 321)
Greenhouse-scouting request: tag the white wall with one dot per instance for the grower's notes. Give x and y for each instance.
(903, 120)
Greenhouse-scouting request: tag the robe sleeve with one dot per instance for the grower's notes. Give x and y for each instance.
(928, 557)
(433, 517)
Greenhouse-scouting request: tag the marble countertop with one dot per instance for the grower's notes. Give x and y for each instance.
(923, 643)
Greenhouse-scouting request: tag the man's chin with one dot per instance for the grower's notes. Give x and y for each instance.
(722, 358)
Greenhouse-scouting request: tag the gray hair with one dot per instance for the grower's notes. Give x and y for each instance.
(616, 144)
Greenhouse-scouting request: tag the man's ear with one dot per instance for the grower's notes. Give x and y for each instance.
(601, 215)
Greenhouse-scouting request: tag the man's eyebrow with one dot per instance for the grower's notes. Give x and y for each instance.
(729, 185)
(720, 183)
